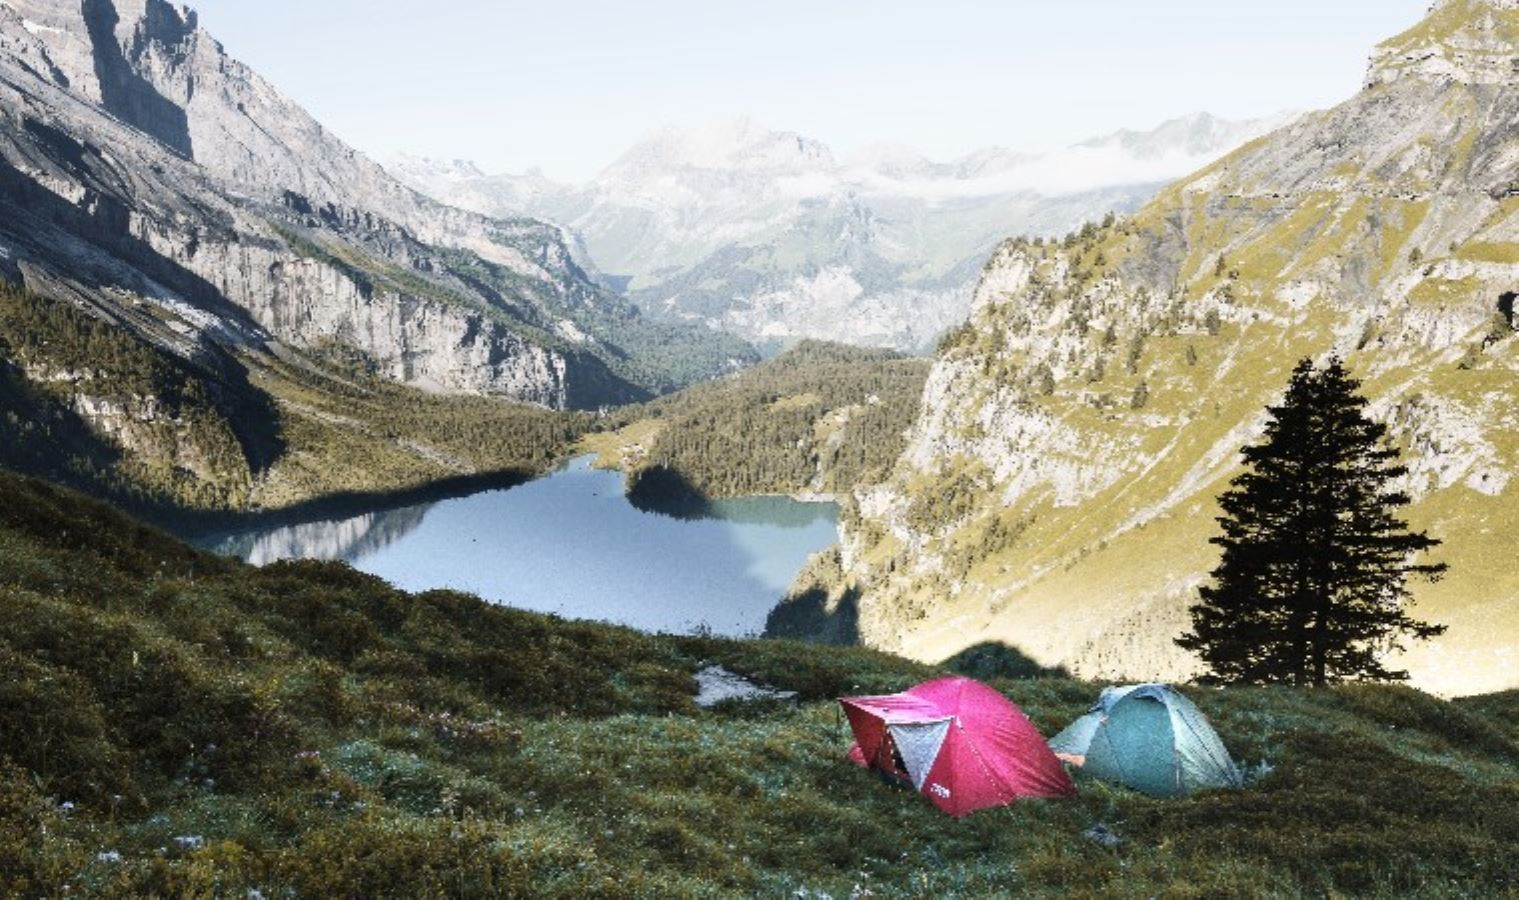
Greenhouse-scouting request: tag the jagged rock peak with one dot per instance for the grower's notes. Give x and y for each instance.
(1462, 41)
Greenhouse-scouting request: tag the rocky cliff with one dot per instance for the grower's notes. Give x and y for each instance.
(145, 173)
(1059, 488)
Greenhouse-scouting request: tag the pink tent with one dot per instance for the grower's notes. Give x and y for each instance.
(957, 741)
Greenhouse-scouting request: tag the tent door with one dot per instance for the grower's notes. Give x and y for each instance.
(919, 743)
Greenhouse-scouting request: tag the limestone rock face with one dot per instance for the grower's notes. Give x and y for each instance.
(1059, 489)
(141, 168)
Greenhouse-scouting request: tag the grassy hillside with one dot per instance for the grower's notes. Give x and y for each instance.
(178, 724)
(86, 402)
(821, 418)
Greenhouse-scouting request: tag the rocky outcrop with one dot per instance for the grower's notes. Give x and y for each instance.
(1058, 492)
(1468, 42)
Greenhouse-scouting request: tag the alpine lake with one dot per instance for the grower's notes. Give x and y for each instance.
(569, 543)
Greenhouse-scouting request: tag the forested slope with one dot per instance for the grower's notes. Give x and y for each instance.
(90, 402)
(820, 419)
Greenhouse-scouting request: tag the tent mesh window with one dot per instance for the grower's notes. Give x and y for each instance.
(917, 747)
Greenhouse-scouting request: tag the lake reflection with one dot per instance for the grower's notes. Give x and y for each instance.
(572, 544)
(348, 539)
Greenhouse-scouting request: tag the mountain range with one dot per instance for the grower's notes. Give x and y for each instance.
(1059, 488)
(774, 237)
(147, 174)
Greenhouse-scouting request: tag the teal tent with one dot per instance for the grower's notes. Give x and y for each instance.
(1150, 738)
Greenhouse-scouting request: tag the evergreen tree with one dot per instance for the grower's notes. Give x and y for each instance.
(1312, 586)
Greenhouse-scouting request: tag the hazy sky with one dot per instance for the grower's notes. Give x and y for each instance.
(569, 85)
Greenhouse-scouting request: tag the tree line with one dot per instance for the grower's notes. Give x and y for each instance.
(819, 417)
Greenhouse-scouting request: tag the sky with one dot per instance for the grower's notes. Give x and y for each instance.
(568, 86)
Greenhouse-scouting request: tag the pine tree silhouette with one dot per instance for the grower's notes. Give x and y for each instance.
(1313, 583)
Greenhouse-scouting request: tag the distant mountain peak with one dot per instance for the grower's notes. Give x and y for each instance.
(729, 144)
(1196, 136)
(760, 232)
(447, 169)
(890, 159)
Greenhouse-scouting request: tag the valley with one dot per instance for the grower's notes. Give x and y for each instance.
(307, 327)
(379, 530)
(240, 314)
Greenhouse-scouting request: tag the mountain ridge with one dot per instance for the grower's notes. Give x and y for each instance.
(773, 236)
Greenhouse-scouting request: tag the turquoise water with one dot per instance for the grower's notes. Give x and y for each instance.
(571, 543)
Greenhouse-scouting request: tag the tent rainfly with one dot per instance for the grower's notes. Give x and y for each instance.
(1150, 738)
(958, 742)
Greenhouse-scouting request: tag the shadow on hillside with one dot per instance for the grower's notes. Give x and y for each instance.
(125, 93)
(42, 437)
(666, 492)
(994, 659)
(812, 618)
